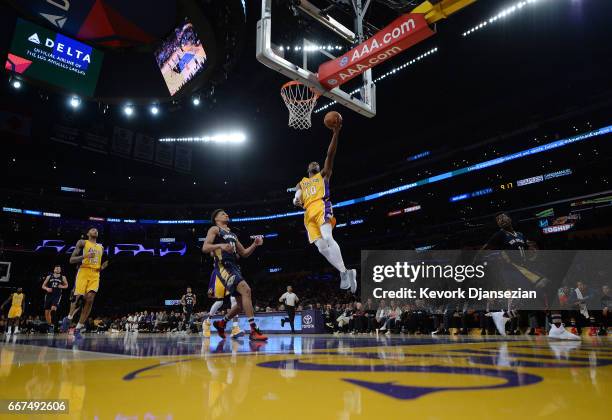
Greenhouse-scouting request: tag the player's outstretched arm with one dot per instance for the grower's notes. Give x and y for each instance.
(331, 152)
(297, 200)
(77, 255)
(245, 252)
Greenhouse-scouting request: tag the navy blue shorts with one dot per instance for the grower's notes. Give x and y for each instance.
(52, 299)
(230, 275)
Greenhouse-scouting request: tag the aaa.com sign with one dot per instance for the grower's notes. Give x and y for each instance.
(401, 34)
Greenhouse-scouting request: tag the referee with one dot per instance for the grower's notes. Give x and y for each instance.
(290, 299)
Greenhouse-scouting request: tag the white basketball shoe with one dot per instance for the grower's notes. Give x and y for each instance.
(561, 333)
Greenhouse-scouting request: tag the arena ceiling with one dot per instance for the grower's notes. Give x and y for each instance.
(542, 62)
(105, 23)
(128, 32)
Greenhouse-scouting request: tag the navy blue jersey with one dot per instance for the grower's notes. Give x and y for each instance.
(505, 240)
(54, 284)
(189, 299)
(225, 237)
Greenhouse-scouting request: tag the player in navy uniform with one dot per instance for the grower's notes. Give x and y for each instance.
(53, 286)
(188, 301)
(217, 292)
(506, 238)
(514, 270)
(226, 249)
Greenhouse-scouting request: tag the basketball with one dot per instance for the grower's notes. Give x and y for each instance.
(332, 119)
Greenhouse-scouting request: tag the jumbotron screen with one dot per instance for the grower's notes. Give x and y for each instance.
(41, 54)
(181, 57)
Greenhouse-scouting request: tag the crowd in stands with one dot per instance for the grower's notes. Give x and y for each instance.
(584, 308)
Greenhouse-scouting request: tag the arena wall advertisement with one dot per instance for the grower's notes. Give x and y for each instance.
(50, 57)
(399, 35)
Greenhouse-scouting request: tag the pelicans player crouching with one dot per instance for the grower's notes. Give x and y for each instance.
(312, 194)
(88, 253)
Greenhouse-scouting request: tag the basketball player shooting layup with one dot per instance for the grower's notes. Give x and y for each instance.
(312, 194)
(226, 248)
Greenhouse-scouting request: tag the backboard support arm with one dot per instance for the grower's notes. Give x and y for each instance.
(267, 55)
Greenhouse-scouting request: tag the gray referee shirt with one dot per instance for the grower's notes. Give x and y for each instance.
(290, 298)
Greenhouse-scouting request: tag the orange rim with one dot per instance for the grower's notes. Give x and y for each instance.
(316, 94)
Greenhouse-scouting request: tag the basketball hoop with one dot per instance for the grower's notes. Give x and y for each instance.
(300, 100)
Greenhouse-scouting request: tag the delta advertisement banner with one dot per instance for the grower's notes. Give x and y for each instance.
(486, 280)
(41, 54)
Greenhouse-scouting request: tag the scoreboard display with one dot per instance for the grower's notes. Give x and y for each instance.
(507, 186)
(47, 56)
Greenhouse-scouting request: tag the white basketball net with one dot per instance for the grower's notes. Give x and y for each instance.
(300, 100)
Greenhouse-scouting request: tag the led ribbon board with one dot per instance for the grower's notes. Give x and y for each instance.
(465, 196)
(47, 56)
(557, 228)
(419, 156)
(482, 165)
(542, 178)
(406, 210)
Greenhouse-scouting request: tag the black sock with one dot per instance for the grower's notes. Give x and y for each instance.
(252, 323)
(226, 319)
